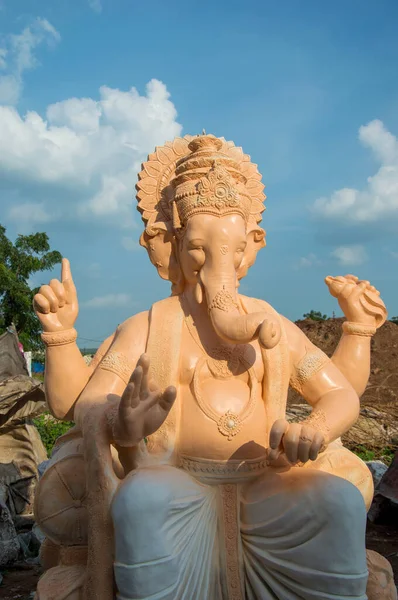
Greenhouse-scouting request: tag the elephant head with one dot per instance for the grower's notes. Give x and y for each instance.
(201, 199)
(211, 254)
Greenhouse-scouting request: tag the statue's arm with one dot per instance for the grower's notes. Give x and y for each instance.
(365, 312)
(318, 380)
(66, 376)
(121, 400)
(352, 358)
(113, 373)
(56, 306)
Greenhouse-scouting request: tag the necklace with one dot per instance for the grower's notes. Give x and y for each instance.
(230, 423)
(223, 363)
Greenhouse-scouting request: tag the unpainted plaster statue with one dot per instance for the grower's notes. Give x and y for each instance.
(182, 479)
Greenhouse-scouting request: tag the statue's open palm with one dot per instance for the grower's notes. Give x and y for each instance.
(143, 407)
(56, 304)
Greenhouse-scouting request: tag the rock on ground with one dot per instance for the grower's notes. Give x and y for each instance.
(377, 468)
(381, 584)
(9, 543)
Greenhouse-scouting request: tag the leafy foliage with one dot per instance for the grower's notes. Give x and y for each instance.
(18, 261)
(368, 454)
(394, 320)
(315, 316)
(50, 430)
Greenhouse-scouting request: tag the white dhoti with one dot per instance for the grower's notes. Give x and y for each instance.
(296, 535)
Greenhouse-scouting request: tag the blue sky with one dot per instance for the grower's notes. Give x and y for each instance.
(309, 89)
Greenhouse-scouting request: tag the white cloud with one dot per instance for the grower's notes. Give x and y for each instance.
(379, 198)
(305, 262)
(82, 115)
(350, 255)
(28, 214)
(109, 197)
(19, 51)
(130, 244)
(3, 54)
(108, 301)
(86, 151)
(10, 89)
(23, 45)
(95, 5)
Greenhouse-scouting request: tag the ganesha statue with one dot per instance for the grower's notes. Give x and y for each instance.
(182, 478)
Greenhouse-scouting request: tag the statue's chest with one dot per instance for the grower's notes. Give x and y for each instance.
(220, 364)
(222, 380)
(222, 406)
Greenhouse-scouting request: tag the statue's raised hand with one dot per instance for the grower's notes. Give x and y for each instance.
(56, 304)
(298, 442)
(359, 300)
(143, 407)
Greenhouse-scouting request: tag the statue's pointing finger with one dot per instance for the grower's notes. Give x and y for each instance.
(68, 283)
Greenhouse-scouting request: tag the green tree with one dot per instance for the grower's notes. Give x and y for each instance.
(394, 320)
(315, 316)
(18, 261)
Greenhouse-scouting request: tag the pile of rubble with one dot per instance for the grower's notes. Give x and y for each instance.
(21, 452)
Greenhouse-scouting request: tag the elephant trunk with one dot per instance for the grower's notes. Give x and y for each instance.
(229, 324)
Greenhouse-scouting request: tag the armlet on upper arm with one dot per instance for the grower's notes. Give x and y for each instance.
(118, 363)
(312, 362)
(99, 355)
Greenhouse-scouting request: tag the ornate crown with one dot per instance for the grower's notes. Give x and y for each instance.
(201, 174)
(220, 189)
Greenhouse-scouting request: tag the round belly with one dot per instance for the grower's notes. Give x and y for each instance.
(204, 431)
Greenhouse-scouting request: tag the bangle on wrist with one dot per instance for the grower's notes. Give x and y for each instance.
(59, 338)
(358, 329)
(317, 420)
(112, 418)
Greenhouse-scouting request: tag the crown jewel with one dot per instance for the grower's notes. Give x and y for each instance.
(216, 193)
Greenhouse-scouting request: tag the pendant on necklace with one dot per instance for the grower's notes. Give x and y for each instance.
(229, 424)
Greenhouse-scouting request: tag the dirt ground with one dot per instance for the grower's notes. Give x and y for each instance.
(19, 582)
(384, 540)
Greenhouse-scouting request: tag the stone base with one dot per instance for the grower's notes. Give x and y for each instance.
(381, 584)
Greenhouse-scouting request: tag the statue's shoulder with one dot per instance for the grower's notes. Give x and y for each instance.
(297, 340)
(142, 319)
(139, 325)
(170, 303)
(136, 325)
(165, 313)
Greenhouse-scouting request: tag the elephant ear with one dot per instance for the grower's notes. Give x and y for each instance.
(159, 242)
(255, 241)
(154, 196)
